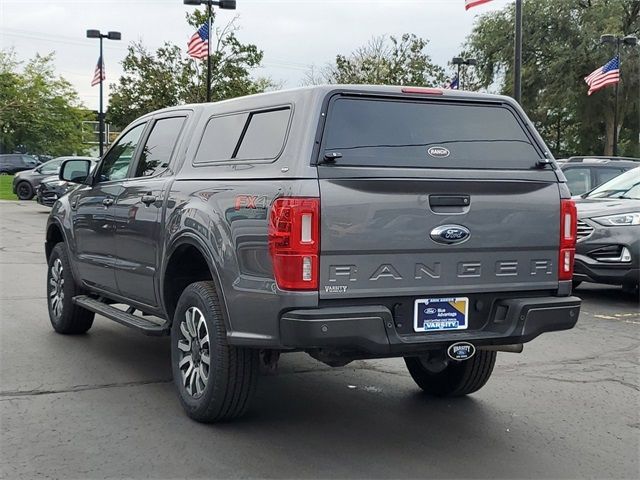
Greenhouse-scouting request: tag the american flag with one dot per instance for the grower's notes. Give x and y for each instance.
(609, 74)
(99, 74)
(454, 84)
(198, 46)
(474, 3)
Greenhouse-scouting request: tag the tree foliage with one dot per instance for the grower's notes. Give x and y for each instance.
(39, 111)
(560, 47)
(383, 61)
(167, 77)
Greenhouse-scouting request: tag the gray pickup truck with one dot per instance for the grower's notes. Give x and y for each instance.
(348, 222)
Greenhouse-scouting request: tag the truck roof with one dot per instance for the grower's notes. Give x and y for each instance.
(315, 91)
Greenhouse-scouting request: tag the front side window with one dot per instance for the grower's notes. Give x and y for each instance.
(52, 167)
(116, 162)
(157, 151)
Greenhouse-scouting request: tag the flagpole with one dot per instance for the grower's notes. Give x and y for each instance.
(615, 106)
(100, 113)
(209, 53)
(517, 69)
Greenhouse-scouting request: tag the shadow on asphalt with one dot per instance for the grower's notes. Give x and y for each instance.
(607, 295)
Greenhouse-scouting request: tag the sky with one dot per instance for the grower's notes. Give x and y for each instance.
(294, 34)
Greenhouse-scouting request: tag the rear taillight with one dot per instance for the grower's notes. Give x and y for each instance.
(568, 228)
(294, 242)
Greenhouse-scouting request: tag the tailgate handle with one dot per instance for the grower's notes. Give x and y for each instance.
(449, 200)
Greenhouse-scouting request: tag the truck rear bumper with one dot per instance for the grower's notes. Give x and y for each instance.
(371, 329)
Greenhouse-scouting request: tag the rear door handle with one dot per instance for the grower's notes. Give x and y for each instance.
(107, 202)
(449, 200)
(148, 199)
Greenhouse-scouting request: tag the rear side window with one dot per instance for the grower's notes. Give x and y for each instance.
(244, 136)
(264, 136)
(157, 151)
(396, 133)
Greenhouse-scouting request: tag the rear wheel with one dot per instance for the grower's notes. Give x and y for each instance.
(456, 378)
(66, 317)
(215, 380)
(24, 190)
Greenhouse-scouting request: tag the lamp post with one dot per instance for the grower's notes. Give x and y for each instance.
(631, 41)
(224, 5)
(517, 60)
(459, 61)
(109, 36)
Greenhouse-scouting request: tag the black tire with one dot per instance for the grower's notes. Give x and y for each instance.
(66, 317)
(457, 378)
(24, 191)
(224, 391)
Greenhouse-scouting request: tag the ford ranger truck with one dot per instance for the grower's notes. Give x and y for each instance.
(348, 222)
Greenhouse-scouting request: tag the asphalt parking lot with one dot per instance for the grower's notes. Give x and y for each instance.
(102, 405)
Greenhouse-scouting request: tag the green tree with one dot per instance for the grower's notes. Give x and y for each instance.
(383, 61)
(561, 47)
(168, 77)
(39, 111)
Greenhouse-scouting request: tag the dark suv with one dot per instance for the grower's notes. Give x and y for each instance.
(349, 222)
(586, 173)
(13, 163)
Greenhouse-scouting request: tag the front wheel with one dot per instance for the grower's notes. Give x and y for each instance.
(456, 378)
(215, 380)
(24, 190)
(66, 317)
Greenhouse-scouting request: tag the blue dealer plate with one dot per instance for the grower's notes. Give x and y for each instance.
(441, 314)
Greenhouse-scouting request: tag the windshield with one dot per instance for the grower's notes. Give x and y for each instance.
(626, 185)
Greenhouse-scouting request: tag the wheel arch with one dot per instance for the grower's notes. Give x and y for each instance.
(188, 261)
(54, 235)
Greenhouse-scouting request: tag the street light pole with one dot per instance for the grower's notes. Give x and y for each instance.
(517, 64)
(459, 61)
(631, 41)
(224, 5)
(110, 36)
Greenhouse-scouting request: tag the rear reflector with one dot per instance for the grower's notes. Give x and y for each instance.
(294, 242)
(568, 229)
(422, 91)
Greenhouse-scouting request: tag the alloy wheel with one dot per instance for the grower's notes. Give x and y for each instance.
(195, 352)
(56, 287)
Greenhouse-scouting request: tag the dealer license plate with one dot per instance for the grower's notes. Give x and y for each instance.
(441, 314)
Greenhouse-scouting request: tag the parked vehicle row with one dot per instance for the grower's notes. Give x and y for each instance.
(349, 222)
(608, 247)
(13, 163)
(25, 183)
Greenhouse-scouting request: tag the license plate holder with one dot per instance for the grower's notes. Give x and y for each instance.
(441, 314)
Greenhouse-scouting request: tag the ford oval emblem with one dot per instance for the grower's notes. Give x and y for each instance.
(461, 351)
(439, 152)
(450, 234)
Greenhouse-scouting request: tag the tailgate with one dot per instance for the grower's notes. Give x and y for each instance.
(376, 237)
(402, 215)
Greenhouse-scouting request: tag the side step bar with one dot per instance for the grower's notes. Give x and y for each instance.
(127, 319)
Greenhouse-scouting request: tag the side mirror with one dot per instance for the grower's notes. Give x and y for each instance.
(74, 171)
